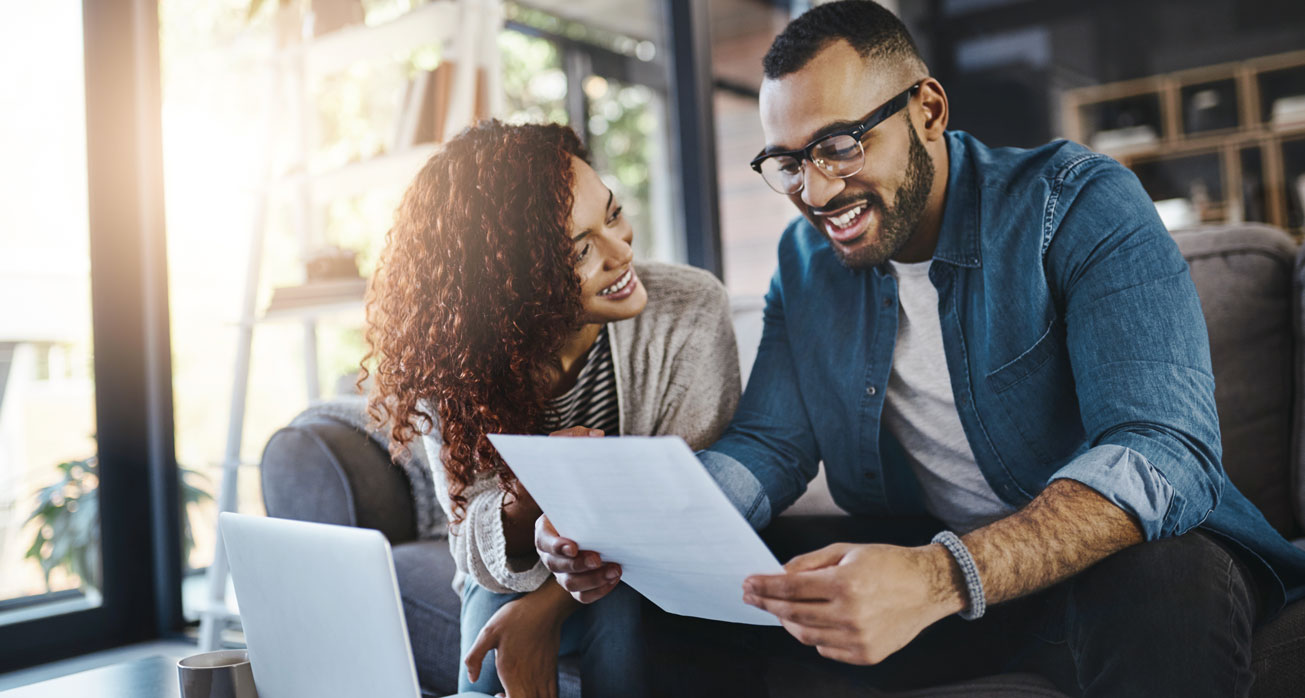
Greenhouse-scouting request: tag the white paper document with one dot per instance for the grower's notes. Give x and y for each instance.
(648, 504)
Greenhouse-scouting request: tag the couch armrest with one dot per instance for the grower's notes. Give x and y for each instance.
(324, 470)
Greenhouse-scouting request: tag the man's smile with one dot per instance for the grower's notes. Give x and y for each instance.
(847, 224)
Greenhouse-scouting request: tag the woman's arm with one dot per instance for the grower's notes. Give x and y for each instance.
(519, 514)
(520, 510)
(478, 541)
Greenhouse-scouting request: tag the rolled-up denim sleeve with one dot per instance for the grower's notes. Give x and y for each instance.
(770, 437)
(1140, 354)
(1128, 480)
(740, 486)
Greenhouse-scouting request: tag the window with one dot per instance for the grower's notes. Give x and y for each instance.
(752, 215)
(82, 461)
(49, 525)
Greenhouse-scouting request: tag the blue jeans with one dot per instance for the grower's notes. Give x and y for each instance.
(607, 635)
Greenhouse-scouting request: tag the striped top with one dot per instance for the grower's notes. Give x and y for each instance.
(591, 402)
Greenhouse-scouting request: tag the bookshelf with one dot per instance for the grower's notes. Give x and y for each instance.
(1222, 143)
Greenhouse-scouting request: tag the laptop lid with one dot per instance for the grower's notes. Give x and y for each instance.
(320, 607)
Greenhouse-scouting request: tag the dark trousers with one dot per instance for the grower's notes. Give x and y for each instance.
(1167, 618)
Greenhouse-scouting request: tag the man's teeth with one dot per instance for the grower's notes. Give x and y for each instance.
(619, 285)
(846, 219)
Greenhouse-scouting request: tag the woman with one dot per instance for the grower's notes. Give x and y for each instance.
(506, 301)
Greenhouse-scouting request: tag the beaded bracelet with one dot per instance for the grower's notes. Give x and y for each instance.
(974, 585)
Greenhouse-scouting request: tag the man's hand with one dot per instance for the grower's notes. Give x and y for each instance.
(860, 603)
(581, 572)
(527, 633)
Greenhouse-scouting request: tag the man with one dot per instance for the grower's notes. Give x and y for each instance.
(1008, 341)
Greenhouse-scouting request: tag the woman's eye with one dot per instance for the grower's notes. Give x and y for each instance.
(616, 215)
(584, 251)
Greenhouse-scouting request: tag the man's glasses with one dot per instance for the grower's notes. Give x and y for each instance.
(838, 154)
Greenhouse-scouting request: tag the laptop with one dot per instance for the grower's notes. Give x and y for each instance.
(320, 607)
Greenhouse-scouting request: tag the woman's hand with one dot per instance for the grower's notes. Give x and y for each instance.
(582, 572)
(577, 431)
(527, 633)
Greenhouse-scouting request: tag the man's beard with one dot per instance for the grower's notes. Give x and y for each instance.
(896, 224)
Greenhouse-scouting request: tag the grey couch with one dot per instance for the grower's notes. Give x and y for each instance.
(1251, 280)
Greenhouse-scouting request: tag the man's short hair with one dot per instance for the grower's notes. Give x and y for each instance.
(872, 30)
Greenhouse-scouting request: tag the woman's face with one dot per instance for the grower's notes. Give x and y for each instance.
(609, 289)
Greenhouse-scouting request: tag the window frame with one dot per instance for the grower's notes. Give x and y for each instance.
(683, 80)
(139, 505)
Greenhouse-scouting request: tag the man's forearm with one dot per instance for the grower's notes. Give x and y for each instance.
(1063, 531)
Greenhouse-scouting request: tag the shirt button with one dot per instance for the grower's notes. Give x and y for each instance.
(888, 302)
(871, 475)
(871, 390)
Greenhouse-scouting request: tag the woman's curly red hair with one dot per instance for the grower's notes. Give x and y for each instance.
(474, 295)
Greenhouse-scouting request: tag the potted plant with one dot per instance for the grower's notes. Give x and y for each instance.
(67, 518)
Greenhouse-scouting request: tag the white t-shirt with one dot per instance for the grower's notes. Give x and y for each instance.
(920, 411)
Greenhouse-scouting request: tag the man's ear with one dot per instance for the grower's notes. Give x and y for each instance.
(933, 109)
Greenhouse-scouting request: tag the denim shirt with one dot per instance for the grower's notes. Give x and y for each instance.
(1075, 343)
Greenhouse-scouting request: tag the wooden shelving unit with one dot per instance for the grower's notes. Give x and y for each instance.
(1229, 139)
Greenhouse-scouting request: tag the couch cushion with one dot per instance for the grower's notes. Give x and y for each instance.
(1243, 275)
(1278, 654)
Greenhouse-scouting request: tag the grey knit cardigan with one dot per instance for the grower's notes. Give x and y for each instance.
(677, 373)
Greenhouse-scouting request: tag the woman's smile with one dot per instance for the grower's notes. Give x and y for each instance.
(623, 288)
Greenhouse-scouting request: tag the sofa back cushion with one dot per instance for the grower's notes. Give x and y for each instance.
(1244, 276)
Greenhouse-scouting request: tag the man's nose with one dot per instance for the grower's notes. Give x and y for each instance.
(817, 187)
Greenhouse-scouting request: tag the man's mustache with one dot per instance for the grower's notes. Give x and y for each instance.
(844, 201)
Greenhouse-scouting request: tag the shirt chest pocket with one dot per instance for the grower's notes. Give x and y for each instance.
(1036, 393)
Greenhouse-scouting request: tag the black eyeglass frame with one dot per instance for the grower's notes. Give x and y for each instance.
(856, 131)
